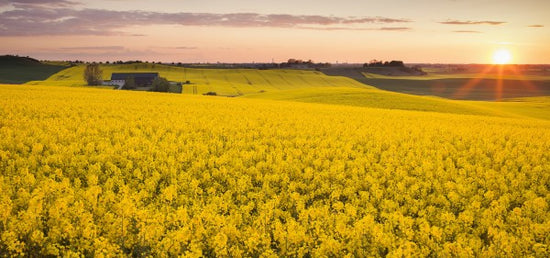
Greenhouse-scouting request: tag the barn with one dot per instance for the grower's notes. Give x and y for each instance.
(141, 79)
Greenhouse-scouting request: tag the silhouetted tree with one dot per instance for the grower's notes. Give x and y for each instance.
(377, 63)
(394, 63)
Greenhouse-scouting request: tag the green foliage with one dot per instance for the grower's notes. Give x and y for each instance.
(93, 74)
(129, 83)
(160, 85)
(176, 88)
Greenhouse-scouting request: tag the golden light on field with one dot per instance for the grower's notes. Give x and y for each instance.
(502, 56)
(499, 72)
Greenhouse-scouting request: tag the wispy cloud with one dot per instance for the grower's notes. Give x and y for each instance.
(37, 2)
(101, 48)
(375, 20)
(354, 29)
(457, 22)
(35, 19)
(99, 53)
(466, 31)
(186, 48)
(536, 26)
(179, 48)
(396, 28)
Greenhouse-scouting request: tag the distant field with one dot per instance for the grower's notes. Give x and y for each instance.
(373, 98)
(316, 87)
(457, 75)
(237, 82)
(228, 82)
(465, 86)
(21, 69)
(538, 107)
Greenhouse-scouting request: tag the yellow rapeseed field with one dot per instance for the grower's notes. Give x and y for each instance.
(91, 172)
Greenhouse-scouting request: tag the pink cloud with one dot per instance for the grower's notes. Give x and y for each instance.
(35, 19)
(456, 22)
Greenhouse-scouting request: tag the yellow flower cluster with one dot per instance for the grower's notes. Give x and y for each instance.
(106, 173)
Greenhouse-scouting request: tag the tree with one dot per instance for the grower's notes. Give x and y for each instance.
(93, 74)
(395, 63)
(129, 83)
(161, 85)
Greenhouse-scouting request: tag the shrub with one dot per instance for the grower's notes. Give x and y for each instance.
(161, 85)
(129, 83)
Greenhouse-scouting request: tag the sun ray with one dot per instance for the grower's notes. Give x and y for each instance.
(531, 87)
(499, 88)
(464, 90)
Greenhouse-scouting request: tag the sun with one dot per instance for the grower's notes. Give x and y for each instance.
(502, 56)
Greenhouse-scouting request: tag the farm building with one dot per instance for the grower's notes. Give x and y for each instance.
(141, 79)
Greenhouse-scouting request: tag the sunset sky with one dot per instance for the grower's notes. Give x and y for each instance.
(354, 31)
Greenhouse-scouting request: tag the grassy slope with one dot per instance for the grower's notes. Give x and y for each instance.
(222, 81)
(535, 107)
(378, 99)
(21, 69)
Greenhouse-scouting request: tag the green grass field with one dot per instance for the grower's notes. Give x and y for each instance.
(462, 86)
(466, 88)
(448, 75)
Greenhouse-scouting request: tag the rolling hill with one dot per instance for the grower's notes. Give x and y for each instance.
(468, 86)
(315, 87)
(16, 69)
(225, 82)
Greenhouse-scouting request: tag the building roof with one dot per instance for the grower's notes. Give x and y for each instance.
(124, 76)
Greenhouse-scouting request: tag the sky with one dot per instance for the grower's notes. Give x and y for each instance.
(343, 31)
